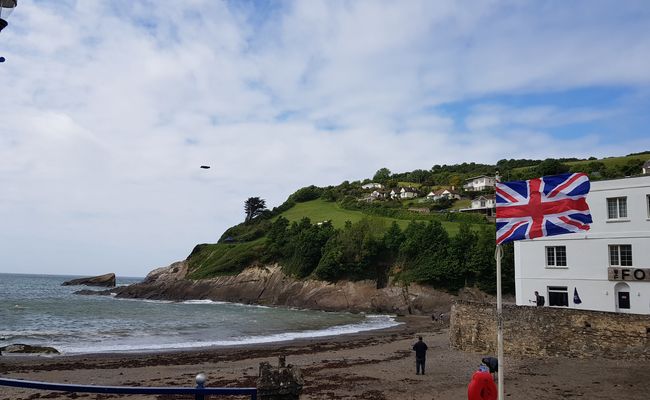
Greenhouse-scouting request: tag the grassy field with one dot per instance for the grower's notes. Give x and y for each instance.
(223, 258)
(465, 203)
(613, 161)
(321, 210)
(609, 162)
(409, 184)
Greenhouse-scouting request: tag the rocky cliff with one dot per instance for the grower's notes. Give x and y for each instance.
(268, 285)
(106, 280)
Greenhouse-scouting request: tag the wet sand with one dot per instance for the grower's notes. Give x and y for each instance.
(369, 365)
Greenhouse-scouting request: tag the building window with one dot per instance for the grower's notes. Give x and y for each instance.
(556, 256)
(620, 255)
(617, 207)
(558, 296)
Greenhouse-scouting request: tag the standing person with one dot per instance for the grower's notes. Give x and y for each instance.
(420, 349)
(539, 300)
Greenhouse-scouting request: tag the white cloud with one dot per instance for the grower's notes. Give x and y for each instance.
(491, 117)
(108, 108)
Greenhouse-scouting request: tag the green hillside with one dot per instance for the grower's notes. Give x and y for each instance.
(605, 168)
(210, 260)
(612, 162)
(321, 210)
(308, 235)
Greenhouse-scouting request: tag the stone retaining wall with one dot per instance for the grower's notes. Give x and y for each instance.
(546, 331)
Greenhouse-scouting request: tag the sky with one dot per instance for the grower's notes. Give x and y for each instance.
(109, 108)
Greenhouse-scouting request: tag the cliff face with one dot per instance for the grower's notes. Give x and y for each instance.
(107, 280)
(268, 285)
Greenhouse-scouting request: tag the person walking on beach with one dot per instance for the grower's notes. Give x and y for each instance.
(420, 349)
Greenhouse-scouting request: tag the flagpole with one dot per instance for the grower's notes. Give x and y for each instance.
(498, 255)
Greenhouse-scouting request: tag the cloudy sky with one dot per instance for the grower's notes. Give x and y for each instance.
(108, 108)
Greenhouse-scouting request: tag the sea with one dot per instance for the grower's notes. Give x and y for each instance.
(37, 310)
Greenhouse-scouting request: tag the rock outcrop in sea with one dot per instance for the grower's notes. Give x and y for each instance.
(106, 280)
(20, 348)
(269, 285)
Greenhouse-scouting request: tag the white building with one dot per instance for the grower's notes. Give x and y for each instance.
(608, 267)
(443, 194)
(408, 193)
(373, 185)
(483, 205)
(477, 183)
(646, 167)
(483, 202)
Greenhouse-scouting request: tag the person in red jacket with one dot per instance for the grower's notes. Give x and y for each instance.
(420, 349)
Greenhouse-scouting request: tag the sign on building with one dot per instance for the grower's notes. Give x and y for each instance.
(628, 274)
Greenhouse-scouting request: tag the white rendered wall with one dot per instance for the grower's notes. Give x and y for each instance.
(588, 253)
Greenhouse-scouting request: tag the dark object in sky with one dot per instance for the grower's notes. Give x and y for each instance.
(2, 59)
(205, 167)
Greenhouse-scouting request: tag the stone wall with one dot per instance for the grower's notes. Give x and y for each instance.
(546, 331)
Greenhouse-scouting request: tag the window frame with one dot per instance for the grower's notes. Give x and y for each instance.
(647, 200)
(619, 255)
(552, 300)
(617, 208)
(552, 251)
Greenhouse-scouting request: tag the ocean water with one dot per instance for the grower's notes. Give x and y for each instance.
(36, 309)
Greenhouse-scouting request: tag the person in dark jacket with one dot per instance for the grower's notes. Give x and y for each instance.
(420, 349)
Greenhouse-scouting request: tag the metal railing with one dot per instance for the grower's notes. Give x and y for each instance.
(199, 392)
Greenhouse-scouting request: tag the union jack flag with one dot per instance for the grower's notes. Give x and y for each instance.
(546, 206)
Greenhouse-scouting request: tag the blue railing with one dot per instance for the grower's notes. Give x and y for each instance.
(199, 391)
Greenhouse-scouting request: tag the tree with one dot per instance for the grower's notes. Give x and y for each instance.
(393, 239)
(551, 166)
(456, 181)
(382, 175)
(425, 254)
(277, 239)
(461, 250)
(305, 246)
(253, 207)
(418, 175)
(481, 261)
(353, 252)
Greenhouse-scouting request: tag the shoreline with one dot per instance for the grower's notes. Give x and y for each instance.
(404, 322)
(330, 332)
(376, 365)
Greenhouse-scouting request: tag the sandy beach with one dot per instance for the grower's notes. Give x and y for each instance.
(369, 365)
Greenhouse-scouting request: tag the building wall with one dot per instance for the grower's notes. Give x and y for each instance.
(547, 331)
(489, 203)
(480, 184)
(587, 253)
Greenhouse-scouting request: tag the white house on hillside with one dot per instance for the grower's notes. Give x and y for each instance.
(484, 202)
(606, 268)
(373, 185)
(483, 205)
(443, 194)
(408, 193)
(478, 183)
(646, 167)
